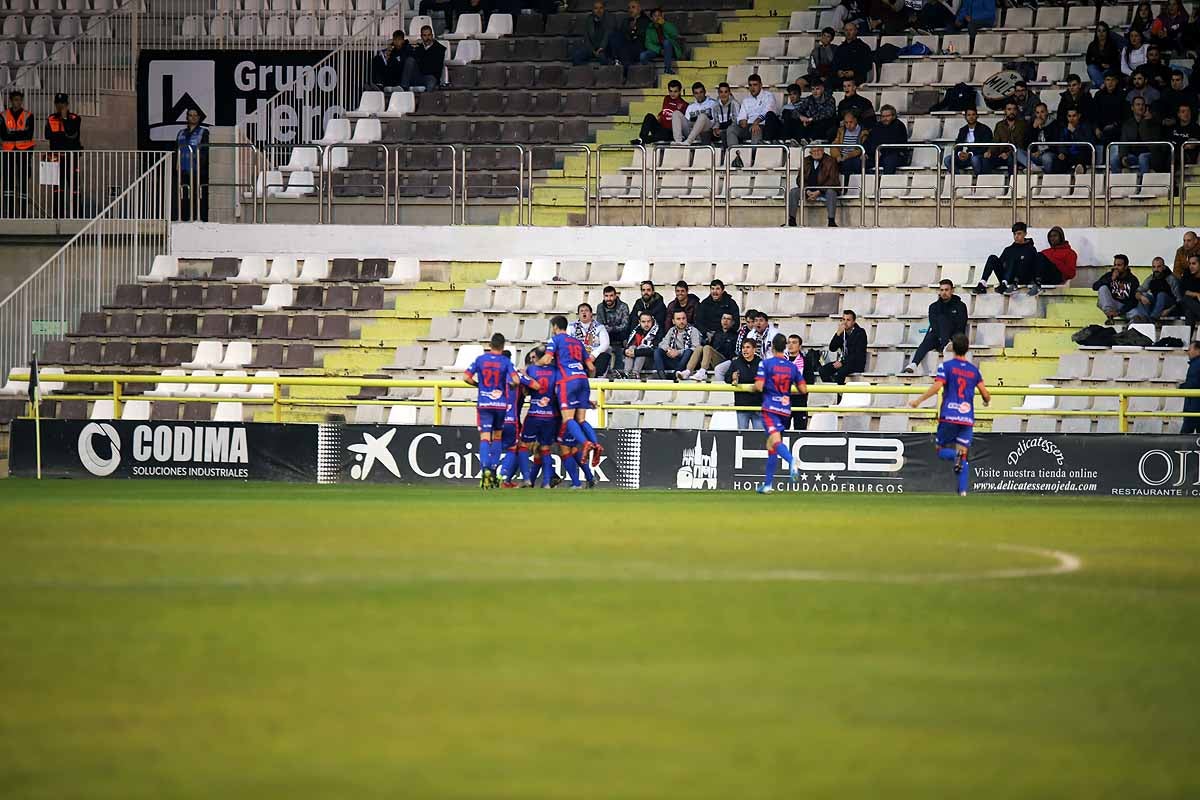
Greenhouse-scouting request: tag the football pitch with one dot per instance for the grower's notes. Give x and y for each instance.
(186, 640)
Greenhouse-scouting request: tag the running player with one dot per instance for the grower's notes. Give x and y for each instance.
(493, 374)
(541, 420)
(575, 367)
(958, 379)
(776, 377)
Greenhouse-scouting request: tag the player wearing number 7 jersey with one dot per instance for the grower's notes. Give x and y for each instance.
(775, 379)
(493, 373)
(958, 380)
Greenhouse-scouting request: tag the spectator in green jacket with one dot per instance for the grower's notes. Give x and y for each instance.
(662, 42)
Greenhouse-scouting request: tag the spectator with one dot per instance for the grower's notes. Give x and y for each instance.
(976, 14)
(1179, 94)
(594, 336)
(1183, 131)
(818, 115)
(741, 373)
(851, 135)
(642, 343)
(629, 40)
(712, 308)
(851, 59)
(1078, 157)
(613, 314)
(675, 349)
(62, 135)
(973, 132)
(1157, 73)
(1133, 54)
(431, 62)
(820, 59)
(191, 146)
(1189, 290)
(1157, 296)
(1138, 128)
(1026, 100)
(696, 122)
(662, 42)
(848, 11)
(684, 301)
(853, 101)
(947, 316)
(1143, 18)
(445, 7)
(596, 46)
(742, 335)
(1056, 264)
(719, 350)
(1014, 261)
(1109, 110)
(651, 302)
(886, 16)
(393, 67)
(795, 352)
(762, 332)
(1191, 405)
(1010, 130)
(851, 341)
(1173, 19)
(1140, 88)
(890, 130)
(1116, 290)
(821, 181)
(725, 114)
(937, 15)
(1042, 130)
(1190, 247)
(1102, 56)
(18, 124)
(789, 114)
(662, 127)
(758, 117)
(1075, 97)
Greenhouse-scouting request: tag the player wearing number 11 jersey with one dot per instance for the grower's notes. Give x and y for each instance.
(958, 380)
(776, 377)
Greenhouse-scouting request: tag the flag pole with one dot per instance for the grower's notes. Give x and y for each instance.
(35, 396)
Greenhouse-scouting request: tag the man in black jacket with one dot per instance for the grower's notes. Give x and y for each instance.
(642, 341)
(719, 350)
(684, 301)
(1109, 110)
(851, 59)
(851, 342)
(973, 132)
(708, 316)
(394, 64)
(1075, 97)
(947, 316)
(650, 302)
(1014, 260)
(629, 39)
(429, 56)
(742, 372)
(889, 130)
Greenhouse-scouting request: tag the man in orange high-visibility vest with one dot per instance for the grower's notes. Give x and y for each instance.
(16, 136)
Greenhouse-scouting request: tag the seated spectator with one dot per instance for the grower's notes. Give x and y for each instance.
(741, 336)
(662, 42)
(820, 172)
(1026, 100)
(662, 127)
(795, 352)
(613, 314)
(1191, 405)
(742, 371)
(1015, 260)
(1179, 94)
(762, 332)
(684, 301)
(1056, 264)
(1190, 247)
(850, 133)
(650, 302)
(758, 117)
(947, 316)
(890, 130)
(789, 114)
(719, 350)
(1157, 296)
(973, 132)
(696, 122)
(1189, 291)
(430, 56)
(675, 349)
(851, 59)
(853, 101)
(1102, 55)
(1140, 88)
(629, 39)
(587, 329)
(820, 59)
(1116, 290)
(1109, 110)
(641, 343)
(1183, 131)
(851, 341)
(1169, 25)
(818, 115)
(1063, 158)
(848, 11)
(1143, 18)
(975, 14)
(1133, 54)
(718, 303)
(1010, 130)
(445, 7)
(886, 17)
(393, 68)
(933, 15)
(1075, 97)
(725, 114)
(1157, 73)
(1138, 128)
(597, 34)
(1042, 129)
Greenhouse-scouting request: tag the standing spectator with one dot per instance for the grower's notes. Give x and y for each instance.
(430, 56)
(1056, 264)
(975, 14)
(1183, 131)
(820, 59)
(1109, 110)
(662, 127)
(642, 343)
(1075, 97)
(392, 66)
(613, 314)
(850, 135)
(62, 134)
(973, 132)
(821, 181)
(594, 337)
(1133, 54)
(1191, 405)
(1138, 128)
(758, 116)
(1010, 130)
(1190, 247)
(719, 350)
(851, 59)
(662, 42)
(651, 302)
(1013, 261)
(725, 114)
(628, 41)
(741, 373)
(191, 145)
(1102, 56)
(1026, 100)
(851, 341)
(1141, 88)
(889, 130)
(696, 122)
(16, 135)
(1157, 73)
(947, 317)
(1179, 94)
(712, 308)
(818, 115)
(675, 349)
(795, 352)
(597, 34)
(853, 101)
(446, 7)
(1157, 296)
(684, 301)
(1116, 289)
(1189, 289)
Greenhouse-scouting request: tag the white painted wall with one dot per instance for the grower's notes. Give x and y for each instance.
(479, 243)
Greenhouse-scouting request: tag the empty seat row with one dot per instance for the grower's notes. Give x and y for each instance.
(216, 324)
(1109, 367)
(251, 25)
(268, 355)
(281, 269)
(463, 131)
(227, 296)
(228, 411)
(1084, 425)
(57, 6)
(549, 76)
(42, 26)
(1046, 17)
(575, 101)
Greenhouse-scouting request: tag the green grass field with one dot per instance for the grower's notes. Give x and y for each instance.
(264, 641)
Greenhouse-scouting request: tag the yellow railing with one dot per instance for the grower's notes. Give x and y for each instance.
(278, 401)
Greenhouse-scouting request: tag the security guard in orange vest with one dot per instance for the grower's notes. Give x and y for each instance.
(62, 127)
(16, 136)
(17, 133)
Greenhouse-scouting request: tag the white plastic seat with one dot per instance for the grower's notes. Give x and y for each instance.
(313, 269)
(283, 270)
(103, 409)
(468, 25)
(207, 356)
(251, 269)
(1037, 402)
(512, 270)
(468, 51)
(417, 22)
(279, 27)
(369, 105)
(136, 410)
(278, 296)
(237, 354)
(302, 157)
(164, 268)
(249, 27)
(337, 131)
(399, 104)
(262, 389)
(633, 272)
(367, 131)
(168, 388)
(402, 415)
(228, 411)
(542, 271)
(301, 183)
(498, 25)
(465, 357)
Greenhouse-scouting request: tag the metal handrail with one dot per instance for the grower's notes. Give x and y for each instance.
(257, 168)
(330, 170)
(587, 176)
(608, 148)
(937, 185)
(1029, 175)
(1170, 171)
(318, 185)
(453, 176)
(1012, 174)
(1190, 144)
(463, 195)
(712, 179)
(731, 152)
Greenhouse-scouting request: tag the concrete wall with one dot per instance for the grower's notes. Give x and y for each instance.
(21, 255)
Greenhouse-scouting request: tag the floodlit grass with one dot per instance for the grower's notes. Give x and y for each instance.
(171, 640)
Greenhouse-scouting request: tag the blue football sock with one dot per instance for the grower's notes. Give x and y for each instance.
(572, 468)
(783, 452)
(589, 431)
(525, 465)
(508, 467)
(772, 464)
(947, 453)
(547, 469)
(485, 454)
(575, 431)
(587, 470)
(964, 477)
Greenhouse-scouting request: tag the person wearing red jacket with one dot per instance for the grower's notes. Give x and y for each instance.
(1056, 264)
(658, 129)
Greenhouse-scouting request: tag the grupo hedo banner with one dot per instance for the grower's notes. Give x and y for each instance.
(166, 450)
(231, 87)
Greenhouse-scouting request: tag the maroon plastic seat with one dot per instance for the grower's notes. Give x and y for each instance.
(304, 326)
(547, 103)
(370, 298)
(640, 75)
(73, 409)
(147, 354)
(574, 130)
(164, 410)
(214, 326)
(223, 267)
(188, 296)
(307, 298)
(373, 269)
(219, 295)
(335, 326)
(339, 297)
(544, 131)
(152, 324)
(117, 354)
(608, 76)
(342, 269)
(198, 412)
(244, 326)
(551, 77)
(183, 325)
(56, 352)
(176, 353)
(274, 326)
(267, 356)
(128, 295)
(247, 295)
(85, 353)
(578, 104)
(158, 295)
(123, 323)
(300, 356)
(463, 77)
(581, 77)
(606, 104)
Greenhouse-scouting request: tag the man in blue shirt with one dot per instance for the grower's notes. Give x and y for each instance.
(574, 366)
(191, 144)
(1191, 405)
(493, 374)
(776, 377)
(958, 380)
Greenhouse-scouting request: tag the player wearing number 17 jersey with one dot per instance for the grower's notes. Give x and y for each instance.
(775, 379)
(494, 375)
(574, 366)
(958, 379)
